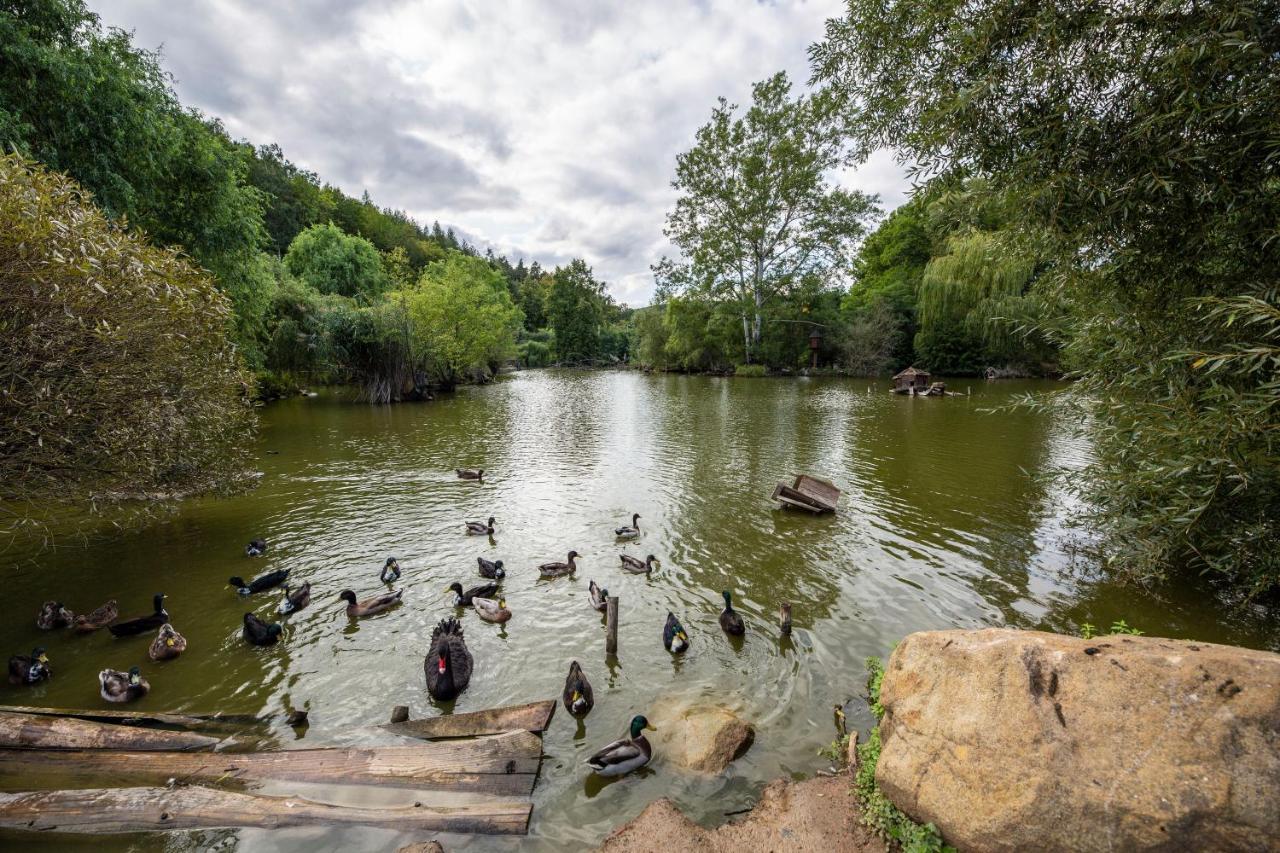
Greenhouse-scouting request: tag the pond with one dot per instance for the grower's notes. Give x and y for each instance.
(943, 524)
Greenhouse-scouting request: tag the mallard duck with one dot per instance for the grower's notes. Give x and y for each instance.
(133, 627)
(842, 727)
(578, 698)
(29, 670)
(87, 623)
(555, 570)
(636, 566)
(629, 532)
(463, 599)
(469, 474)
(256, 548)
(730, 621)
(295, 600)
(390, 571)
(168, 644)
(260, 633)
(599, 596)
(117, 686)
(490, 610)
(674, 637)
(370, 606)
(623, 756)
(448, 663)
(476, 528)
(54, 615)
(491, 569)
(259, 583)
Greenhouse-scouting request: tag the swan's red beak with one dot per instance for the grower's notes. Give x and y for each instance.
(441, 665)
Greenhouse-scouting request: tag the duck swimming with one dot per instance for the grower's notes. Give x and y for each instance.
(623, 756)
(674, 637)
(578, 698)
(370, 606)
(390, 571)
(295, 600)
(475, 528)
(259, 633)
(448, 662)
(29, 670)
(490, 610)
(259, 583)
(469, 474)
(463, 599)
(256, 548)
(631, 532)
(730, 621)
(491, 569)
(599, 597)
(555, 570)
(132, 627)
(53, 615)
(168, 644)
(116, 686)
(635, 566)
(89, 622)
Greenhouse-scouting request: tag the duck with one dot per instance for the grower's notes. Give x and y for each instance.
(490, 610)
(842, 727)
(370, 606)
(87, 623)
(168, 644)
(259, 583)
(390, 571)
(259, 633)
(578, 698)
(132, 627)
(555, 570)
(674, 636)
(476, 528)
(448, 662)
(469, 474)
(623, 756)
(637, 566)
(599, 596)
(631, 532)
(29, 670)
(463, 599)
(54, 615)
(730, 621)
(256, 548)
(295, 600)
(491, 569)
(117, 686)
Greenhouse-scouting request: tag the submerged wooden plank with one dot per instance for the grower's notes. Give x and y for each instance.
(32, 731)
(143, 718)
(531, 717)
(504, 764)
(194, 807)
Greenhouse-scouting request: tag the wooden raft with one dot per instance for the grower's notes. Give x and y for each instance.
(808, 493)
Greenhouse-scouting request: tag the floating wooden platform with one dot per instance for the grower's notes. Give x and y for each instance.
(808, 493)
(533, 717)
(191, 807)
(144, 718)
(36, 731)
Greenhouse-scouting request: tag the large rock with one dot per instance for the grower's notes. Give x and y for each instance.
(1021, 740)
(702, 738)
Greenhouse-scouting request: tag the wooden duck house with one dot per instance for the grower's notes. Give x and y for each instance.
(911, 379)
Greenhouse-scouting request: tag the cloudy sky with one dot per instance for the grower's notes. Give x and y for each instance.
(547, 130)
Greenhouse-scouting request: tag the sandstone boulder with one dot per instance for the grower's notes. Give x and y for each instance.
(1021, 740)
(702, 738)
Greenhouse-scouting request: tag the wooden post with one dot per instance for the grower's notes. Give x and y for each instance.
(784, 616)
(611, 617)
(399, 713)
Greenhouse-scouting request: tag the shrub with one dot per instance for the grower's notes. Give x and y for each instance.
(750, 370)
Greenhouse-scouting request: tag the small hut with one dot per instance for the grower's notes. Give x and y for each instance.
(911, 379)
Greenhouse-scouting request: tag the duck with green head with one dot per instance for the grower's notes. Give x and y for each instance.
(623, 756)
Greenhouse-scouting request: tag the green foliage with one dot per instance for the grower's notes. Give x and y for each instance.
(119, 379)
(1122, 627)
(537, 349)
(330, 261)
(870, 338)
(1088, 632)
(575, 307)
(751, 370)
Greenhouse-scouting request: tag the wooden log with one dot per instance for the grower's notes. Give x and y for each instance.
(784, 618)
(532, 717)
(33, 731)
(194, 807)
(504, 765)
(144, 718)
(611, 626)
(399, 713)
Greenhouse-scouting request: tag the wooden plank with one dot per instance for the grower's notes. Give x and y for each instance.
(822, 492)
(504, 764)
(194, 807)
(531, 717)
(32, 731)
(143, 718)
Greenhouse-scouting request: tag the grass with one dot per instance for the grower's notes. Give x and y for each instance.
(753, 370)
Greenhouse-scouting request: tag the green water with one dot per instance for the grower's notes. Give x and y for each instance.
(942, 525)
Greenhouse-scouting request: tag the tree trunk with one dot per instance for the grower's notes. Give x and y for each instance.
(746, 338)
(759, 300)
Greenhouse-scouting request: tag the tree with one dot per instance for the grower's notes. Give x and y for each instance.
(575, 309)
(326, 259)
(119, 379)
(1138, 140)
(757, 210)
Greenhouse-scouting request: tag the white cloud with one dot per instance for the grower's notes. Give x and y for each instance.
(546, 129)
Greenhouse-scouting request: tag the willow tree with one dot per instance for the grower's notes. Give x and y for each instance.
(758, 211)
